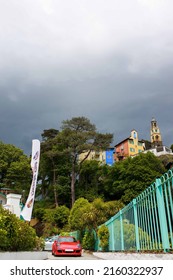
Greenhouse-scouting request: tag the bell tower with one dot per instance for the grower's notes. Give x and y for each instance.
(156, 138)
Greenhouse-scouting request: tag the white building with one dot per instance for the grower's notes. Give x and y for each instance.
(13, 203)
(159, 151)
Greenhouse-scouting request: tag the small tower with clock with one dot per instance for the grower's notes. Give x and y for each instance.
(156, 138)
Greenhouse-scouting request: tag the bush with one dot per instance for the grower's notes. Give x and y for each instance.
(40, 243)
(88, 241)
(26, 240)
(103, 235)
(50, 230)
(76, 219)
(61, 215)
(39, 213)
(15, 234)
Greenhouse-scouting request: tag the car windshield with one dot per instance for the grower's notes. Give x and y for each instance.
(66, 239)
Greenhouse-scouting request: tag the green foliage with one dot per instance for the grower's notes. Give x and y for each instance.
(50, 229)
(103, 235)
(14, 168)
(49, 216)
(89, 185)
(167, 160)
(113, 207)
(129, 236)
(79, 135)
(61, 215)
(26, 237)
(85, 215)
(57, 216)
(15, 234)
(88, 241)
(54, 220)
(40, 243)
(128, 178)
(39, 213)
(3, 237)
(54, 168)
(76, 220)
(59, 165)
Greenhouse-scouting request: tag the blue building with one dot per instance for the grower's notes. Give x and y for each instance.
(110, 156)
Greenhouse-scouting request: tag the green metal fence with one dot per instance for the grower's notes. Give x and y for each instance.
(146, 223)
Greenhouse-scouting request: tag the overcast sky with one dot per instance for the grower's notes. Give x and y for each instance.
(110, 61)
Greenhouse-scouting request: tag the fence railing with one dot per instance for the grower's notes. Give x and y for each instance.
(146, 223)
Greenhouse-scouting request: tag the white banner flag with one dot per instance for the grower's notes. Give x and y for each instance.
(26, 213)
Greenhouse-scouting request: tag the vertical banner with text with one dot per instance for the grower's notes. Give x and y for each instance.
(26, 213)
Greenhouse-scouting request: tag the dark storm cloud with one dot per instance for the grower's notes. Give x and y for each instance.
(111, 63)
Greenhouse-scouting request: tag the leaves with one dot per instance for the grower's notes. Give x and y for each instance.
(14, 168)
(127, 178)
(62, 148)
(15, 234)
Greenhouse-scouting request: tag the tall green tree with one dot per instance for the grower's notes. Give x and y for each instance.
(15, 171)
(61, 150)
(54, 170)
(90, 184)
(79, 135)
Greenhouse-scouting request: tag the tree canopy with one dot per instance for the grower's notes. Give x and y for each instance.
(15, 171)
(128, 178)
(77, 135)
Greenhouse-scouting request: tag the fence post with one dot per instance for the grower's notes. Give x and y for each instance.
(136, 225)
(162, 215)
(121, 230)
(112, 235)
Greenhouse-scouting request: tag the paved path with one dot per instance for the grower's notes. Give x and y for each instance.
(85, 256)
(132, 256)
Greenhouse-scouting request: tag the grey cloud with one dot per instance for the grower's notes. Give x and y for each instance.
(111, 63)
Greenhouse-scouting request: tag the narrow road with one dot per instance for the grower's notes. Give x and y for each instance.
(85, 256)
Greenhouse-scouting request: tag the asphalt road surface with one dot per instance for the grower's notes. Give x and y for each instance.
(85, 256)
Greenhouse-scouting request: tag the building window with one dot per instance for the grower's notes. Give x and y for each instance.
(135, 135)
(140, 144)
(132, 150)
(131, 141)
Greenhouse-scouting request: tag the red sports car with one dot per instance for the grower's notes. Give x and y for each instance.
(66, 246)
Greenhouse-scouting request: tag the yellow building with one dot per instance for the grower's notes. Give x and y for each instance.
(93, 155)
(129, 147)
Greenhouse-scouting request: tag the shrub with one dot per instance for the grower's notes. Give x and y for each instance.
(76, 219)
(39, 213)
(15, 234)
(50, 230)
(88, 240)
(3, 239)
(61, 215)
(103, 235)
(40, 243)
(26, 240)
(49, 215)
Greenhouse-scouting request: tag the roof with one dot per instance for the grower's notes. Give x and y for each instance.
(122, 141)
(129, 138)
